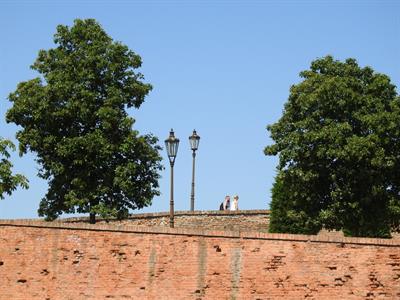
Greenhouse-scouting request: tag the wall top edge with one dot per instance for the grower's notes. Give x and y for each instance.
(200, 232)
(159, 214)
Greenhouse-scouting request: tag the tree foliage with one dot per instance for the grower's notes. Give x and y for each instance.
(74, 118)
(8, 181)
(338, 142)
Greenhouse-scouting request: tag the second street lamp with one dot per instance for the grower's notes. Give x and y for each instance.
(194, 144)
(172, 143)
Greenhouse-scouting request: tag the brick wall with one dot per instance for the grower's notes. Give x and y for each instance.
(104, 261)
(242, 220)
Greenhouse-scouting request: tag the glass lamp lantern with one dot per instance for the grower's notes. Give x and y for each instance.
(194, 140)
(172, 144)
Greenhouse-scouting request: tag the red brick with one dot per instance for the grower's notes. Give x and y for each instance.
(81, 261)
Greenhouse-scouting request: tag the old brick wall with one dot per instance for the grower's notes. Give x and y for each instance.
(80, 261)
(242, 220)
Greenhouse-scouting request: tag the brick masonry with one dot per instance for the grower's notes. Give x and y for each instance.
(242, 220)
(114, 261)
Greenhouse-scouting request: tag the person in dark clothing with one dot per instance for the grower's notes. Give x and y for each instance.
(225, 205)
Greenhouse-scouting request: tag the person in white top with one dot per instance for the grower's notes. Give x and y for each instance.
(234, 204)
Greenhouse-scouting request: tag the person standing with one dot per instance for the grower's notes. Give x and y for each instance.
(235, 205)
(225, 205)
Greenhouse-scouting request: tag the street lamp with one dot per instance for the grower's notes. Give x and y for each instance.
(172, 143)
(194, 144)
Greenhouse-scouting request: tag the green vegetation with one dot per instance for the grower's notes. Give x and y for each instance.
(8, 181)
(74, 118)
(338, 143)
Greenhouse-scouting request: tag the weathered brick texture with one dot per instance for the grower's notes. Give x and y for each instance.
(242, 220)
(80, 261)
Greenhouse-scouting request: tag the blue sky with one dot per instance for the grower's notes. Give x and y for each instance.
(223, 68)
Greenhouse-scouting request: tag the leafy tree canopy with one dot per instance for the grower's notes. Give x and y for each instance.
(338, 142)
(8, 181)
(74, 118)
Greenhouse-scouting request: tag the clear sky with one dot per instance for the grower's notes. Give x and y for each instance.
(223, 68)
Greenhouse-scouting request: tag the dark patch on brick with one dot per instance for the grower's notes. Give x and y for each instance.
(16, 249)
(339, 281)
(44, 272)
(142, 288)
(1, 263)
(278, 284)
(323, 284)
(78, 256)
(21, 280)
(275, 263)
(137, 252)
(308, 295)
(118, 254)
(375, 283)
(217, 248)
(332, 267)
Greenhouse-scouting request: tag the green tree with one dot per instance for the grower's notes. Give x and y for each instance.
(338, 143)
(74, 118)
(8, 181)
(287, 214)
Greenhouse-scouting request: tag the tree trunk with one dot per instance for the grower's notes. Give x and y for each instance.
(92, 219)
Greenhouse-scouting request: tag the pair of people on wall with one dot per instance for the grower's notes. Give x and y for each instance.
(227, 205)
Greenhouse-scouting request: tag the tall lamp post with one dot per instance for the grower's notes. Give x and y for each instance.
(172, 143)
(194, 144)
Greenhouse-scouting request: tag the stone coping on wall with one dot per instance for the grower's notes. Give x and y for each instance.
(178, 214)
(200, 232)
(157, 215)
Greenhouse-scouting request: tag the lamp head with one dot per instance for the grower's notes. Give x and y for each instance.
(172, 143)
(194, 140)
